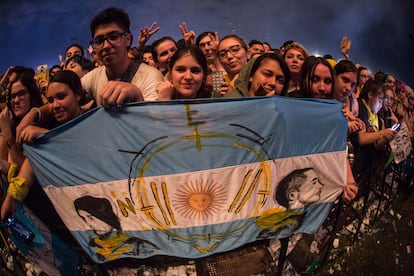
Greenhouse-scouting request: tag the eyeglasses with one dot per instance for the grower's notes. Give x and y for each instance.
(232, 49)
(20, 94)
(112, 37)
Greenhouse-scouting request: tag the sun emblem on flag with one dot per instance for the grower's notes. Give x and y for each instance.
(199, 199)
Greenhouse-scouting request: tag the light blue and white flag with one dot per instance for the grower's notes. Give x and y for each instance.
(193, 178)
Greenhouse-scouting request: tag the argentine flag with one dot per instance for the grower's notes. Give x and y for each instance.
(193, 178)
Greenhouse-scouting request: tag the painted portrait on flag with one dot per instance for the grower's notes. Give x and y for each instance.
(190, 179)
(110, 241)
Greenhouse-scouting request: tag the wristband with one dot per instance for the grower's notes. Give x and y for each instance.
(16, 188)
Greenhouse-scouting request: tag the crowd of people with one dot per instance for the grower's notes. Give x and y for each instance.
(203, 66)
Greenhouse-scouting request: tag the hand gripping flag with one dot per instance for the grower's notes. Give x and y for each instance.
(193, 178)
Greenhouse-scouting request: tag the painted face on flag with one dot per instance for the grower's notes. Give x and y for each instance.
(99, 227)
(299, 189)
(310, 190)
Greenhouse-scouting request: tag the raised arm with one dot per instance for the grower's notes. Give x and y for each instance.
(189, 36)
(146, 33)
(345, 46)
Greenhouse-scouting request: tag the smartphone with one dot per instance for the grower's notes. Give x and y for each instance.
(217, 80)
(42, 73)
(395, 127)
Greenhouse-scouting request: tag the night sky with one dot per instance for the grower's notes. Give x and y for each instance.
(35, 32)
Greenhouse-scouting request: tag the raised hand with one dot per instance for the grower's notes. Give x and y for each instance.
(145, 34)
(214, 39)
(5, 79)
(345, 46)
(90, 49)
(6, 122)
(61, 61)
(189, 36)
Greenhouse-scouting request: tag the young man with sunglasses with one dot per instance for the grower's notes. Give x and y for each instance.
(121, 79)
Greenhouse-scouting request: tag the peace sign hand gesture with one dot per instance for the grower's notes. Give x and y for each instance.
(214, 39)
(189, 36)
(145, 34)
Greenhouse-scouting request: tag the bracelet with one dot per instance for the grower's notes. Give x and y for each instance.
(16, 188)
(39, 113)
(380, 136)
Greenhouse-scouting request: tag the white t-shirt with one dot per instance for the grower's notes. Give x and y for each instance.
(146, 79)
